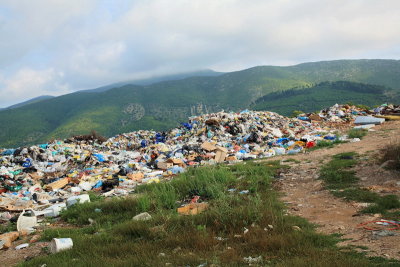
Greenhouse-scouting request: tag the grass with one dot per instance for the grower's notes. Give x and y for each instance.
(326, 144)
(291, 160)
(216, 236)
(352, 133)
(7, 227)
(342, 181)
(391, 154)
(357, 133)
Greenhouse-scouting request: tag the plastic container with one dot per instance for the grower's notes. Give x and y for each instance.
(60, 244)
(54, 210)
(26, 220)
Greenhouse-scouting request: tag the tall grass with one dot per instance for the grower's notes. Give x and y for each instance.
(391, 154)
(357, 133)
(238, 224)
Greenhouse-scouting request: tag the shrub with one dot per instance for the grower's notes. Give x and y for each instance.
(391, 154)
(357, 133)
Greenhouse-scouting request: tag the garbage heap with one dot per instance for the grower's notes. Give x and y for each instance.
(36, 176)
(336, 114)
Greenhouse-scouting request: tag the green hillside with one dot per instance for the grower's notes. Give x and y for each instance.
(323, 95)
(163, 105)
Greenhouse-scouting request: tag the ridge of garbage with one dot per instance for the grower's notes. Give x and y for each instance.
(36, 177)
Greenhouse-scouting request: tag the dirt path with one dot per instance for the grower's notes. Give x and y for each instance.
(305, 196)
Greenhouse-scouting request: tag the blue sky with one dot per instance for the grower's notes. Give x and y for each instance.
(53, 47)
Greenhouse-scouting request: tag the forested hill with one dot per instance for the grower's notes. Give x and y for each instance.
(325, 94)
(163, 105)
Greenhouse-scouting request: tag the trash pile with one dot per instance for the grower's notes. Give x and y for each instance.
(48, 178)
(388, 112)
(386, 109)
(336, 113)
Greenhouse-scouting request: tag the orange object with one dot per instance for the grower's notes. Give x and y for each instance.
(193, 208)
(136, 176)
(8, 238)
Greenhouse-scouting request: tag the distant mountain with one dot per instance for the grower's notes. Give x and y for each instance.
(325, 94)
(164, 104)
(30, 101)
(156, 79)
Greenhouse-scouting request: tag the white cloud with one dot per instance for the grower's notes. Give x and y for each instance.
(98, 42)
(28, 83)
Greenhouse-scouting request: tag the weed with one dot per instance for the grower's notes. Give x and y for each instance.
(326, 144)
(7, 227)
(357, 133)
(391, 155)
(291, 160)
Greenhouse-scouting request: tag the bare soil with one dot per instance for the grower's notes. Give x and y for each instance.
(306, 197)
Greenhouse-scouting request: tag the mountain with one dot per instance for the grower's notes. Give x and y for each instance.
(325, 94)
(30, 101)
(156, 79)
(162, 105)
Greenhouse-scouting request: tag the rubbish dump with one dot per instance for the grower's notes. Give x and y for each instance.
(44, 179)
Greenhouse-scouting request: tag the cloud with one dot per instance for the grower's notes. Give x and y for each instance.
(28, 83)
(94, 43)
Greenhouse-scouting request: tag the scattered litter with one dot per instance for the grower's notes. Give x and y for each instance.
(393, 224)
(253, 259)
(383, 233)
(22, 246)
(142, 217)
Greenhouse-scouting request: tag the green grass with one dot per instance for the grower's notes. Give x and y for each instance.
(326, 144)
(7, 227)
(342, 181)
(357, 133)
(291, 160)
(215, 236)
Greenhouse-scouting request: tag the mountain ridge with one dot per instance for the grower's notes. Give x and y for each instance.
(162, 105)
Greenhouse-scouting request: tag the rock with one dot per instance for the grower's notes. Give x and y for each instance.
(144, 216)
(296, 228)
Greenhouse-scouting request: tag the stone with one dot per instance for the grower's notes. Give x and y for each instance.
(144, 216)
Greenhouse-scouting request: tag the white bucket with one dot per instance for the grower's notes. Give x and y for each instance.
(60, 244)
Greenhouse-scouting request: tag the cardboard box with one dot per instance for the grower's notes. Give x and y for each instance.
(57, 184)
(135, 176)
(164, 165)
(208, 146)
(178, 162)
(220, 154)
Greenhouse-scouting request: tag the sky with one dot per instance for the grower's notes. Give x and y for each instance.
(54, 47)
